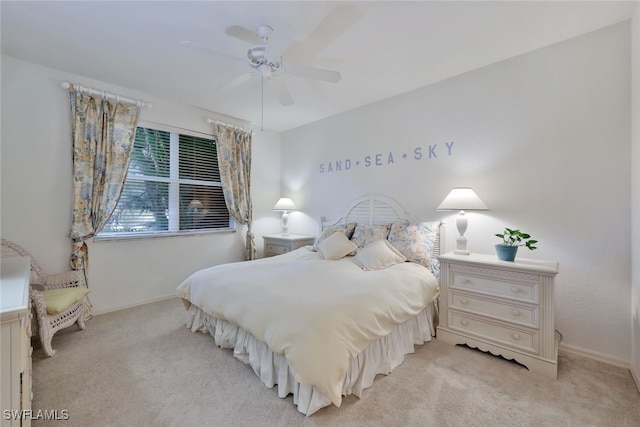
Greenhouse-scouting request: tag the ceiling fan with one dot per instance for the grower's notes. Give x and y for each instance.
(266, 60)
(268, 47)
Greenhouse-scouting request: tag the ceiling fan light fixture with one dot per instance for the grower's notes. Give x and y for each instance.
(257, 54)
(265, 70)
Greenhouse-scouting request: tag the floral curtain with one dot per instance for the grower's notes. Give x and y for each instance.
(103, 135)
(234, 161)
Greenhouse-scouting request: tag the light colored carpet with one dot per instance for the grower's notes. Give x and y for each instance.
(142, 367)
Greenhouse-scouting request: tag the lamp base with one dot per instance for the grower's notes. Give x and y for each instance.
(461, 246)
(285, 221)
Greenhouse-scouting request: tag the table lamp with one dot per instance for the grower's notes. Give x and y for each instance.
(462, 199)
(285, 204)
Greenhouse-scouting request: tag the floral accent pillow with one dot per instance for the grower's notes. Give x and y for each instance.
(416, 242)
(347, 230)
(365, 234)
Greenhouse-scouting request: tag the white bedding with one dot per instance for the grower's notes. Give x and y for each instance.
(318, 314)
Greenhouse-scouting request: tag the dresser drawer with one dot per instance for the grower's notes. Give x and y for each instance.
(517, 290)
(278, 249)
(512, 337)
(500, 309)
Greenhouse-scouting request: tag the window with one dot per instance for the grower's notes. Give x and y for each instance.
(173, 186)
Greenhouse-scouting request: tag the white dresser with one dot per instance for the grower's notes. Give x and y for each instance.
(506, 308)
(15, 319)
(278, 244)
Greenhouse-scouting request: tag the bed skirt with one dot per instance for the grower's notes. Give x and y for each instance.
(380, 357)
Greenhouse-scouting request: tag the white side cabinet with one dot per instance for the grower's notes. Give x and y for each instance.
(278, 244)
(506, 308)
(15, 322)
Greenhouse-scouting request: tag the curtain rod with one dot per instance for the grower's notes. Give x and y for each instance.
(228, 125)
(107, 95)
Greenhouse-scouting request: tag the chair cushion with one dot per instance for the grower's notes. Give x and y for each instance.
(58, 300)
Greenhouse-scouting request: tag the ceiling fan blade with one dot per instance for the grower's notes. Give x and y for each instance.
(282, 93)
(314, 73)
(336, 23)
(236, 82)
(210, 50)
(243, 34)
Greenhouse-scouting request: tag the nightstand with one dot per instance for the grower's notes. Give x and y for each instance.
(278, 244)
(506, 308)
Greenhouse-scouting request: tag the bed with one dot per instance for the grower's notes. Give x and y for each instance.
(322, 321)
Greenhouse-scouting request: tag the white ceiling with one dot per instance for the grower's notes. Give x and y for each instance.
(381, 48)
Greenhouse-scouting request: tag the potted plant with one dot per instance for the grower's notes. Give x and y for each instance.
(511, 239)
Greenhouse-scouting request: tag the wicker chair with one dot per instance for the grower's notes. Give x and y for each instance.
(48, 324)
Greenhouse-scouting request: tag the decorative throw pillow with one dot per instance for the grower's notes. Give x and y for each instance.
(336, 246)
(58, 300)
(347, 230)
(378, 255)
(416, 241)
(365, 234)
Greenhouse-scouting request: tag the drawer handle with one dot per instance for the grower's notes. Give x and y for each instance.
(515, 336)
(515, 312)
(515, 289)
(464, 322)
(465, 281)
(464, 301)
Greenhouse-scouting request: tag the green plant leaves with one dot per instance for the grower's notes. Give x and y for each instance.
(514, 237)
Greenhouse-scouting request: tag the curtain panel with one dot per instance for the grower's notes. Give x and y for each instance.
(103, 133)
(234, 161)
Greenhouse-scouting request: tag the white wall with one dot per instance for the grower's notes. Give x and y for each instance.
(543, 138)
(635, 196)
(37, 195)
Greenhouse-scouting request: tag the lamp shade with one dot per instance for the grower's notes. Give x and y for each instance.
(462, 199)
(284, 204)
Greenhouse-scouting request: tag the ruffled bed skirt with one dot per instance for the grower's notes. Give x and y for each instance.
(380, 357)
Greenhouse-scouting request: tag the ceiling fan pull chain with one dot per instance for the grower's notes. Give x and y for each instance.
(262, 102)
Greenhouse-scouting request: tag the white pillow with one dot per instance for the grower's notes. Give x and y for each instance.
(336, 246)
(347, 230)
(378, 255)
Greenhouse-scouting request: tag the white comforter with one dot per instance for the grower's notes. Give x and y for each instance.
(318, 314)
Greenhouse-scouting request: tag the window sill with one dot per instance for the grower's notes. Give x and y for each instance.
(159, 235)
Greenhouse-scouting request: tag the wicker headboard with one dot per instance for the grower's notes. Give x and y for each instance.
(376, 209)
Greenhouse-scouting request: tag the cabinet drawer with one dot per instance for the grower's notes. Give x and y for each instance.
(500, 309)
(509, 289)
(277, 249)
(508, 336)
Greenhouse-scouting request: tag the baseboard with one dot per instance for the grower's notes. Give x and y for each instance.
(606, 358)
(111, 310)
(635, 376)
